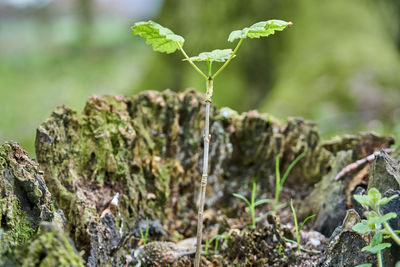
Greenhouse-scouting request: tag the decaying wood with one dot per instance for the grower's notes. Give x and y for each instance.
(147, 147)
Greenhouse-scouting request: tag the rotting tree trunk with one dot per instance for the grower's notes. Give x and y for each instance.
(146, 148)
(26, 206)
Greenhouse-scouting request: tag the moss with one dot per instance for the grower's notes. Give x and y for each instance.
(148, 148)
(50, 247)
(24, 200)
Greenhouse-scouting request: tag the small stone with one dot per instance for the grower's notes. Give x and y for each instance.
(159, 253)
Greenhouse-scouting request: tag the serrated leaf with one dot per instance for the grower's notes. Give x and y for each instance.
(160, 38)
(377, 248)
(242, 198)
(216, 55)
(363, 200)
(386, 200)
(374, 196)
(259, 29)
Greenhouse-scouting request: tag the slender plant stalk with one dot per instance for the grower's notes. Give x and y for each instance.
(229, 59)
(379, 256)
(394, 236)
(296, 225)
(191, 62)
(279, 182)
(277, 185)
(253, 207)
(206, 138)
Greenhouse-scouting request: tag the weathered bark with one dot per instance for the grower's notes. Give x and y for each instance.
(50, 247)
(329, 198)
(25, 204)
(148, 149)
(24, 198)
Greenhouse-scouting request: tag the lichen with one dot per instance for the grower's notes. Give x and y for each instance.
(148, 148)
(24, 200)
(50, 247)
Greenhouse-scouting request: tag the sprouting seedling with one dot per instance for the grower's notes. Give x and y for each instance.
(143, 237)
(298, 229)
(279, 182)
(253, 203)
(164, 40)
(376, 223)
(208, 242)
(223, 237)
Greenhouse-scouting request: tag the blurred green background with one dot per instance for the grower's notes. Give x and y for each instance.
(339, 64)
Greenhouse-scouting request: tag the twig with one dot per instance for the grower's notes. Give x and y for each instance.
(353, 166)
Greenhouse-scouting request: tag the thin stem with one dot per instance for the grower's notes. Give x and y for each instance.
(191, 62)
(394, 236)
(296, 225)
(252, 207)
(229, 59)
(206, 138)
(277, 184)
(379, 255)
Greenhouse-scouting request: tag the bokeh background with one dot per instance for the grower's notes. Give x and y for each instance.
(339, 64)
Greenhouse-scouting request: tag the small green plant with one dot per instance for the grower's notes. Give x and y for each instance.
(143, 237)
(279, 182)
(209, 242)
(298, 229)
(376, 223)
(164, 40)
(253, 203)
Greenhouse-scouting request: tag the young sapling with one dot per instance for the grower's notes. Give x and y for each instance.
(164, 40)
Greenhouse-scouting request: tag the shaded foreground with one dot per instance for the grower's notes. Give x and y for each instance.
(102, 173)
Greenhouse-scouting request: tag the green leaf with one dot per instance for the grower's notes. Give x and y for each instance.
(377, 248)
(361, 227)
(364, 265)
(374, 196)
(242, 198)
(381, 219)
(363, 200)
(216, 55)
(386, 200)
(291, 165)
(162, 39)
(259, 29)
(305, 220)
(377, 239)
(263, 201)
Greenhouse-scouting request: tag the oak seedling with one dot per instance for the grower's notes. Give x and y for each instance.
(165, 41)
